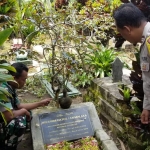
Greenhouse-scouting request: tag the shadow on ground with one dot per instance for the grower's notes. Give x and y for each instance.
(26, 143)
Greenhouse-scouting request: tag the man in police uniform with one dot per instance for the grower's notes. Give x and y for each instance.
(133, 26)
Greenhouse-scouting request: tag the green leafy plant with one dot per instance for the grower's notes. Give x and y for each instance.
(24, 20)
(82, 78)
(88, 143)
(4, 35)
(100, 59)
(31, 85)
(6, 6)
(125, 91)
(4, 77)
(100, 19)
(4, 9)
(125, 106)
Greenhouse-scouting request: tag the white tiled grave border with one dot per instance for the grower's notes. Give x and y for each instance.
(100, 134)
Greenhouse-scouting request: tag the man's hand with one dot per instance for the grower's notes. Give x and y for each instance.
(45, 102)
(145, 116)
(28, 116)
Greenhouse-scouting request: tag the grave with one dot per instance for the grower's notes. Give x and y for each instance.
(53, 125)
(71, 90)
(64, 125)
(117, 73)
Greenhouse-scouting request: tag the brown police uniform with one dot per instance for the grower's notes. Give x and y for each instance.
(145, 65)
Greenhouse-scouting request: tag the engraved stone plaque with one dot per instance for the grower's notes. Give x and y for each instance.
(65, 125)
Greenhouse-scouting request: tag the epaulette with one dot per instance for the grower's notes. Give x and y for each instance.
(148, 43)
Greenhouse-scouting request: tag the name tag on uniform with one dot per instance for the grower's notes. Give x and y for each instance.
(145, 66)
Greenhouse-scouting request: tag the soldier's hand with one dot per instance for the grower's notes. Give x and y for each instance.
(28, 116)
(145, 116)
(45, 102)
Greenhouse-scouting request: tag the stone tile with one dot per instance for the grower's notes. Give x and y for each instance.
(109, 145)
(102, 135)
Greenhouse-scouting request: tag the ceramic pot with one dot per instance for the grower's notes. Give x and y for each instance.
(65, 101)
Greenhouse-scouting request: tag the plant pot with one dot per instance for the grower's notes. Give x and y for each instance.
(65, 101)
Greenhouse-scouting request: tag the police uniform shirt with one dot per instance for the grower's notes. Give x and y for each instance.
(145, 65)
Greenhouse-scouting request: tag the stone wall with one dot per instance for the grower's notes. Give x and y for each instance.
(107, 99)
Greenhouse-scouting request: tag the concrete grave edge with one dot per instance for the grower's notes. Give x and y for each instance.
(100, 134)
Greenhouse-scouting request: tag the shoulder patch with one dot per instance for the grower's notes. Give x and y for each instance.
(148, 40)
(148, 43)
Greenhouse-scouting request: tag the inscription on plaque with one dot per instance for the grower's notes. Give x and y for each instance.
(68, 124)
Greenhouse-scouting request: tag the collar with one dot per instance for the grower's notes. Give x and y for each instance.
(10, 89)
(146, 32)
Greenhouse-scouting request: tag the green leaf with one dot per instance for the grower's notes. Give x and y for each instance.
(4, 91)
(4, 35)
(8, 67)
(3, 114)
(3, 97)
(31, 36)
(5, 77)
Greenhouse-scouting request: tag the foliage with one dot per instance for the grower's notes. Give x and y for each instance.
(21, 23)
(32, 84)
(6, 6)
(84, 143)
(129, 107)
(4, 77)
(93, 95)
(125, 91)
(95, 16)
(99, 14)
(82, 78)
(100, 59)
(4, 35)
(3, 92)
(67, 29)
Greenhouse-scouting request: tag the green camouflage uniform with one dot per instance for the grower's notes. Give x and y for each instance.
(12, 133)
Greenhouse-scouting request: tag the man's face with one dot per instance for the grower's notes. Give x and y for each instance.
(129, 34)
(22, 79)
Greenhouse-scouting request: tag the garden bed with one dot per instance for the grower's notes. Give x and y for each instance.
(88, 143)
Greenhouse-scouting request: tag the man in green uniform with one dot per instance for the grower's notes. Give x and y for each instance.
(12, 132)
(133, 26)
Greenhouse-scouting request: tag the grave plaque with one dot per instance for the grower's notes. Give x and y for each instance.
(65, 125)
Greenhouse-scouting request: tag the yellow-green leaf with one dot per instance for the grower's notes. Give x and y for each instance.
(3, 97)
(4, 35)
(5, 77)
(4, 91)
(8, 67)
